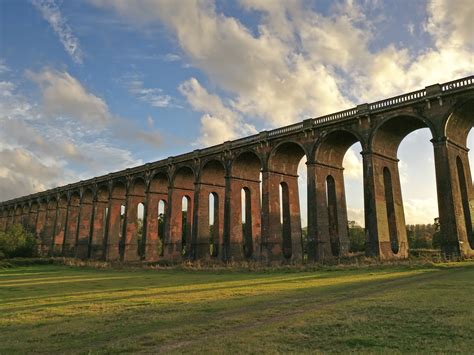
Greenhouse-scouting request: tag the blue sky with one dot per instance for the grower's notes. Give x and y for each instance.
(90, 87)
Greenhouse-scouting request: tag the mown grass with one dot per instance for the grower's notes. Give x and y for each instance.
(53, 308)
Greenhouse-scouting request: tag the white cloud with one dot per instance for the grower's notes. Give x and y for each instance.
(352, 164)
(171, 57)
(220, 123)
(39, 150)
(152, 96)
(51, 13)
(420, 211)
(64, 96)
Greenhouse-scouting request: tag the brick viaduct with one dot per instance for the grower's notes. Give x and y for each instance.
(84, 219)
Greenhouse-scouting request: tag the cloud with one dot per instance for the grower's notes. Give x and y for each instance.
(51, 13)
(40, 150)
(353, 164)
(152, 96)
(171, 57)
(219, 123)
(65, 96)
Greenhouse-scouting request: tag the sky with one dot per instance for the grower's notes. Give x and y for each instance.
(94, 86)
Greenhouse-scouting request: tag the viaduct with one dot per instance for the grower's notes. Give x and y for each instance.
(97, 218)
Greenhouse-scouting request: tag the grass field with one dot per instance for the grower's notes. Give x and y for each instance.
(51, 308)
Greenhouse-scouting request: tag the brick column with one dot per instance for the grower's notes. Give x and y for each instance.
(96, 247)
(272, 233)
(381, 222)
(173, 228)
(323, 230)
(131, 229)
(236, 236)
(452, 211)
(40, 223)
(71, 230)
(201, 230)
(84, 230)
(152, 234)
(113, 235)
(59, 229)
(3, 222)
(33, 215)
(48, 231)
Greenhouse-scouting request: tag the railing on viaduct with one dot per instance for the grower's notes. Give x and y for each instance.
(97, 218)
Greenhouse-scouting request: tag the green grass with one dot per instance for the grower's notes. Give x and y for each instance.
(53, 308)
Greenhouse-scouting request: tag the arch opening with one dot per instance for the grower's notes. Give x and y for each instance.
(162, 207)
(185, 224)
(140, 228)
(404, 143)
(465, 201)
(246, 211)
(214, 224)
(341, 218)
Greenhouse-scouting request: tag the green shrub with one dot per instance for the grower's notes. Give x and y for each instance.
(17, 242)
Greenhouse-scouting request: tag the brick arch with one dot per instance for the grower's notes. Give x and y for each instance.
(213, 172)
(159, 182)
(87, 195)
(138, 186)
(103, 193)
(459, 123)
(285, 157)
(74, 198)
(386, 137)
(63, 200)
(119, 189)
(331, 147)
(247, 165)
(183, 177)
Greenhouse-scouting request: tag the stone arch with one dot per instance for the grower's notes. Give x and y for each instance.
(331, 147)
(285, 157)
(390, 132)
(459, 123)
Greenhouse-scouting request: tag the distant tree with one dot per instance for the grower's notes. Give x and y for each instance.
(356, 237)
(16, 241)
(437, 237)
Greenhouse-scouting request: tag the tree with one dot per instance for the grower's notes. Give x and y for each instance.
(356, 237)
(16, 241)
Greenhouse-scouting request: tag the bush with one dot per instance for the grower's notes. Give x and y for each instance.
(17, 242)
